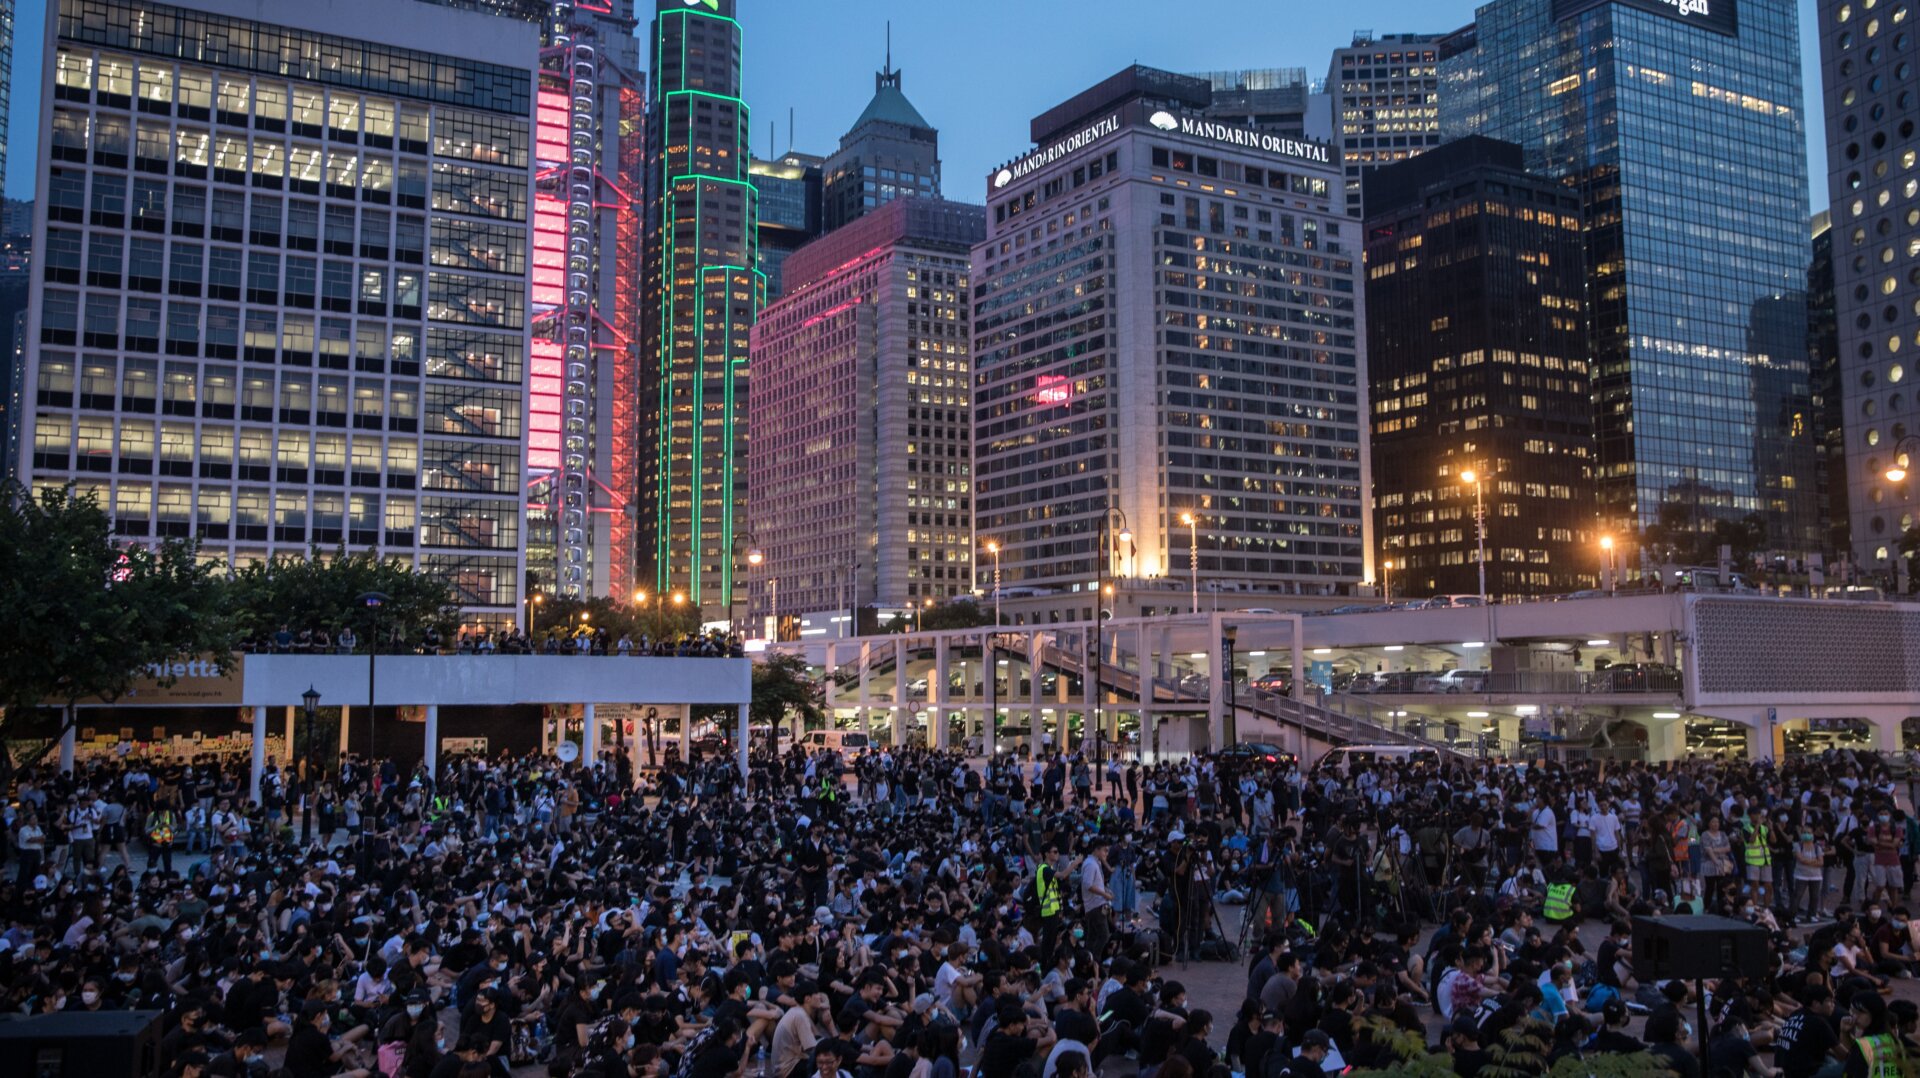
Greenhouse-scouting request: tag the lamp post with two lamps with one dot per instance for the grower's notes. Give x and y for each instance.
(756, 558)
(993, 548)
(1193, 555)
(1480, 525)
(310, 701)
(1109, 543)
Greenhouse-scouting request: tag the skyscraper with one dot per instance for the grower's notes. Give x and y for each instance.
(790, 191)
(703, 290)
(862, 469)
(1477, 356)
(245, 325)
(890, 152)
(1873, 187)
(6, 76)
(1680, 126)
(1823, 355)
(1275, 100)
(1167, 323)
(583, 412)
(1384, 91)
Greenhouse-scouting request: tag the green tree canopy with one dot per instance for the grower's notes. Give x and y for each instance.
(782, 688)
(82, 617)
(560, 615)
(324, 592)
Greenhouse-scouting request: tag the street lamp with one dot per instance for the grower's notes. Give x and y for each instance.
(1897, 470)
(311, 701)
(1613, 577)
(993, 548)
(1231, 727)
(1193, 555)
(1101, 591)
(1480, 526)
(1387, 579)
(533, 604)
(372, 600)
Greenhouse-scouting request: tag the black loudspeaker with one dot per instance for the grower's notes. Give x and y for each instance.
(81, 1044)
(1693, 948)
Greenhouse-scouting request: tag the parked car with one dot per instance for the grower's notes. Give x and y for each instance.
(1439, 602)
(1453, 681)
(1277, 684)
(1638, 677)
(1265, 751)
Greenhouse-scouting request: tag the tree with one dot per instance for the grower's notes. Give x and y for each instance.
(1908, 549)
(560, 615)
(782, 687)
(962, 613)
(319, 592)
(82, 618)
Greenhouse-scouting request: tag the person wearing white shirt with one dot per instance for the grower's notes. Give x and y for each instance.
(1544, 832)
(1606, 837)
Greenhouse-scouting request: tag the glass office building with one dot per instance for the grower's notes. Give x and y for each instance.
(1683, 133)
(703, 291)
(283, 299)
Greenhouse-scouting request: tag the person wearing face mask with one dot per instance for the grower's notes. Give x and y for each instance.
(574, 1019)
(1809, 875)
(486, 1021)
(468, 1052)
(311, 1053)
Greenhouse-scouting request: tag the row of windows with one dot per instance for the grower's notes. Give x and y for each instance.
(266, 48)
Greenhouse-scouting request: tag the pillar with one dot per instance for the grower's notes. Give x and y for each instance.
(1037, 724)
(636, 747)
(1091, 718)
(833, 683)
(68, 726)
(902, 709)
(937, 693)
(589, 735)
(259, 753)
(286, 742)
(686, 733)
(1299, 658)
(741, 745)
(1217, 675)
(1759, 740)
(1666, 740)
(866, 674)
(430, 752)
(1886, 730)
(346, 725)
(990, 687)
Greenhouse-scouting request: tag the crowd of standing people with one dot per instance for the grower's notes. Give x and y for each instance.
(915, 914)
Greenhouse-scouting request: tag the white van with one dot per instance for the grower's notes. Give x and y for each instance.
(1344, 760)
(841, 741)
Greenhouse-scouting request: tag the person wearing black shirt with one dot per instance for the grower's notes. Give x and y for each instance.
(1195, 1049)
(573, 1020)
(310, 1052)
(1807, 1040)
(1463, 1041)
(485, 1020)
(1009, 1044)
(1314, 1046)
(1732, 1052)
(1663, 1036)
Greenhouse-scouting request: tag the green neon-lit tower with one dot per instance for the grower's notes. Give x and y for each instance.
(702, 297)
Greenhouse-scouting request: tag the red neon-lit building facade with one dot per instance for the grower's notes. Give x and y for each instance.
(589, 151)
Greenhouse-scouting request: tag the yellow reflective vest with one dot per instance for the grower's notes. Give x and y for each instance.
(1759, 852)
(1559, 901)
(1047, 883)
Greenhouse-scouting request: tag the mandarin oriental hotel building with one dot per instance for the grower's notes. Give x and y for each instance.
(1167, 324)
(283, 298)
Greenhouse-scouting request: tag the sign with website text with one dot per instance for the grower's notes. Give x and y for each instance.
(1720, 16)
(184, 682)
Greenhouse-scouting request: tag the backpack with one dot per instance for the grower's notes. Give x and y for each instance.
(392, 1058)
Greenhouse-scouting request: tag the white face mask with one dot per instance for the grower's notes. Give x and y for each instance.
(414, 1009)
(89, 998)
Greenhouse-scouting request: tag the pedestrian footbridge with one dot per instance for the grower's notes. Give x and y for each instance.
(1653, 676)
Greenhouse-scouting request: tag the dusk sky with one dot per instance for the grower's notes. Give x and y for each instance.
(980, 70)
